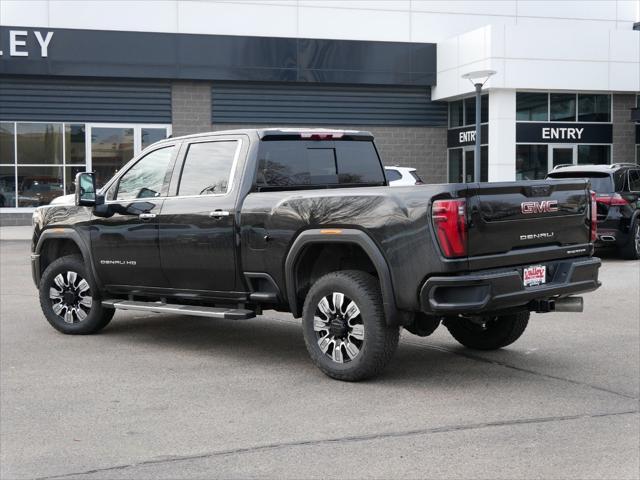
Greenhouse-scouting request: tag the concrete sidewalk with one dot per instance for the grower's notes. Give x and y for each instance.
(16, 233)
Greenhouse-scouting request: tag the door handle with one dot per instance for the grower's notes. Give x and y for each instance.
(146, 216)
(219, 213)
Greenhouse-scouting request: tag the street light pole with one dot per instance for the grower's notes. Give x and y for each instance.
(478, 79)
(476, 155)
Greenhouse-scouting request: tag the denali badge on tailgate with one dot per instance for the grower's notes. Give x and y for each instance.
(536, 275)
(545, 206)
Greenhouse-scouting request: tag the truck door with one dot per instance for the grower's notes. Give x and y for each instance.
(197, 224)
(125, 245)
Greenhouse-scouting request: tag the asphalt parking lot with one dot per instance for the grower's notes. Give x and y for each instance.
(163, 396)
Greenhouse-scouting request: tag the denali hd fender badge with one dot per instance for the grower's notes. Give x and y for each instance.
(537, 236)
(117, 262)
(545, 206)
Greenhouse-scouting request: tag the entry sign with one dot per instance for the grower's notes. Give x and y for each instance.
(549, 132)
(466, 136)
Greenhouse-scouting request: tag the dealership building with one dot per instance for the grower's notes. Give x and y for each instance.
(88, 85)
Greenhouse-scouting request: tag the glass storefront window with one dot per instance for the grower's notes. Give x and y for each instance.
(39, 143)
(562, 107)
(152, 135)
(48, 155)
(456, 114)
(484, 108)
(532, 107)
(594, 108)
(455, 165)
(74, 138)
(39, 185)
(469, 111)
(594, 154)
(70, 178)
(7, 148)
(7, 186)
(463, 171)
(111, 149)
(531, 162)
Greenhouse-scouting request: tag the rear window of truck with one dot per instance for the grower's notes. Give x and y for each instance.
(308, 164)
(600, 182)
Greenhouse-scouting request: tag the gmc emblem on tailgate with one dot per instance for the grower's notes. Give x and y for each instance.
(545, 206)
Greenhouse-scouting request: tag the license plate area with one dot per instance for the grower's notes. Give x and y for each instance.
(534, 275)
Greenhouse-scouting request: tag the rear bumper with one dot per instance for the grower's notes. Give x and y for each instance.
(501, 289)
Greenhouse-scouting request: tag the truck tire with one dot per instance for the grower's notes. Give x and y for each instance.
(631, 251)
(497, 332)
(344, 326)
(68, 299)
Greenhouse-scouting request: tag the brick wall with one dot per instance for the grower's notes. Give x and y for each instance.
(190, 107)
(624, 137)
(424, 148)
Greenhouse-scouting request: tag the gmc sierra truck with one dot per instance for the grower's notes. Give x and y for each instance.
(229, 223)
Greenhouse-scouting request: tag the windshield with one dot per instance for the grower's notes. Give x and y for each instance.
(600, 182)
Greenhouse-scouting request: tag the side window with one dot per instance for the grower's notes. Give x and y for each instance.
(634, 180)
(358, 162)
(392, 175)
(620, 181)
(294, 163)
(207, 168)
(146, 178)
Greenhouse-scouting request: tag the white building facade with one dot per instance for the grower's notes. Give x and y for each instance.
(86, 85)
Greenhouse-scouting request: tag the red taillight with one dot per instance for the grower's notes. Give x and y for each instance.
(594, 217)
(450, 223)
(611, 200)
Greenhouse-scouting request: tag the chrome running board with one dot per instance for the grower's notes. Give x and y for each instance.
(160, 307)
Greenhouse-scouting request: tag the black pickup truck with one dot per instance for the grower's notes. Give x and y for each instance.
(229, 223)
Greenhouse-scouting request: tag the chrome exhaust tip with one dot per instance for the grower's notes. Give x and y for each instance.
(607, 238)
(569, 304)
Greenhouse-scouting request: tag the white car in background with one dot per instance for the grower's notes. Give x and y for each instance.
(402, 176)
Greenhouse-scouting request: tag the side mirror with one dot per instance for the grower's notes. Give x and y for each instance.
(85, 189)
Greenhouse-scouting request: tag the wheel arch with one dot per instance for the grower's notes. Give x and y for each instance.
(55, 243)
(330, 238)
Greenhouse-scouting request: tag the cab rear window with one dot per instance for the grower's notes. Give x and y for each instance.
(309, 164)
(600, 182)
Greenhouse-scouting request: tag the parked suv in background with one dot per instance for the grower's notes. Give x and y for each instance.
(617, 190)
(402, 176)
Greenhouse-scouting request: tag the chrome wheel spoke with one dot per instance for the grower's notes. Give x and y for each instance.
(357, 332)
(54, 294)
(352, 350)
(83, 286)
(319, 324)
(71, 279)
(86, 301)
(59, 281)
(324, 308)
(338, 298)
(324, 343)
(68, 315)
(337, 353)
(352, 311)
(80, 313)
(57, 308)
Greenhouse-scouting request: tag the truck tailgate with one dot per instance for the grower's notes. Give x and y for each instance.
(511, 216)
